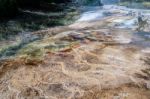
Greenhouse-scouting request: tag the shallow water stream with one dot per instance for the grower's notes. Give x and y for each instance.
(103, 55)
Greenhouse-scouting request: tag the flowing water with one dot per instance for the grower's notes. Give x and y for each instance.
(103, 55)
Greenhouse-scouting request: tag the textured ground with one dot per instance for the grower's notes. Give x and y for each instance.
(87, 62)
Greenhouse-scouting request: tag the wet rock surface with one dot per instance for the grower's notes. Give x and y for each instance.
(95, 60)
